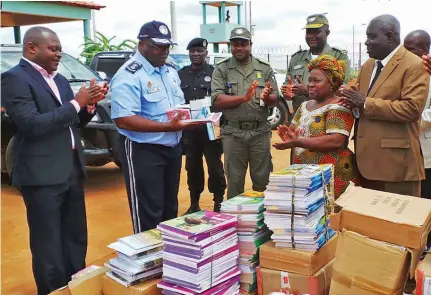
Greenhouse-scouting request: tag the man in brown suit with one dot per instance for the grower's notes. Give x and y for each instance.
(388, 102)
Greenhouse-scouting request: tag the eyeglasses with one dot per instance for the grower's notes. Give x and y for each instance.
(161, 49)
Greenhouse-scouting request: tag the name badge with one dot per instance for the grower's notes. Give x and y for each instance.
(297, 67)
(153, 90)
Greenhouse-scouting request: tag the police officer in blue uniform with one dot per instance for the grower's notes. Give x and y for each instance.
(143, 89)
(196, 84)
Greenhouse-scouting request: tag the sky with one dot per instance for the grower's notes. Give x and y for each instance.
(278, 24)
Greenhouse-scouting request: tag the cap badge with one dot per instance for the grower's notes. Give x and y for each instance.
(312, 19)
(163, 29)
(239, 31)
(204, 43)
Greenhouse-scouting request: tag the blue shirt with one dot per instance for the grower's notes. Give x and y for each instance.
(140, 89)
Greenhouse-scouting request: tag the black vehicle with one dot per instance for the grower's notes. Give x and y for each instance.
(99, 137)
(110, 62)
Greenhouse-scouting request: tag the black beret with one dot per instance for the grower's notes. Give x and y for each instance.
(198, 42)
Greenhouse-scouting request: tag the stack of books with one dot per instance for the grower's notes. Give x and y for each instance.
(252, 233)
(200, 254)
(139, 258)
(296, 202)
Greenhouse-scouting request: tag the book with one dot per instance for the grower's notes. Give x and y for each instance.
(200, 254)
(296, 203)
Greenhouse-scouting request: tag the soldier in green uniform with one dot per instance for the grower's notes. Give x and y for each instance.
(245, 133)
(317, 31)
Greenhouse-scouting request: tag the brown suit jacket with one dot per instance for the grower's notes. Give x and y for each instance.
(387, 140)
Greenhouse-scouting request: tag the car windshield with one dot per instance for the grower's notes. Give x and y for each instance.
(69, 67)
(110, 65)
(179, 60)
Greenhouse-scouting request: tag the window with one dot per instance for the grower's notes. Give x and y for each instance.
(179, 60)
(69, 67)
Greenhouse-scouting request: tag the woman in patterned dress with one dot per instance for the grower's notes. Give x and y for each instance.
(320, 130)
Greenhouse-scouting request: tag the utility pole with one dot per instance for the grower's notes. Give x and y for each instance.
(250, 16)
(245, 14)
(173, 22)
(353, 57)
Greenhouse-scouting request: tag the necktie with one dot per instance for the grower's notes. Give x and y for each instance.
(378, 71)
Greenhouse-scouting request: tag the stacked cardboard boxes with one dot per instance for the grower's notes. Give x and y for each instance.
(295, 271)
(423, 277)
(298, 260)
(381, 241)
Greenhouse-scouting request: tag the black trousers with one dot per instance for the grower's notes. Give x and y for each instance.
(197, 144)
(426, 184)
(58, 230)
(152, 175)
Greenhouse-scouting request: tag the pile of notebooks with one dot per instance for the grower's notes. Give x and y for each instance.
(296, 206)
(200, 254)
(252, 233)
(139, 258)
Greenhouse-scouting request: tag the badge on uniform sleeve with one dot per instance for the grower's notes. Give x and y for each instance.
(207, 79)
(258, 75)
(133, 67)
(297, 67)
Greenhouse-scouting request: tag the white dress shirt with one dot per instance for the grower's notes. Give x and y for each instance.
(49, 78)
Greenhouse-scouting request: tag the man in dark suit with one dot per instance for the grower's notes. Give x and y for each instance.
(49, 162)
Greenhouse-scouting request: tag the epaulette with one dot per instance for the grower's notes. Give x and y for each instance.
(343, 51)
(171, 65)
(222, 60)
(263, 61)
(299, 51)
(133, 67)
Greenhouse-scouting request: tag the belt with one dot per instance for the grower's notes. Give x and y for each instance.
(244, 125)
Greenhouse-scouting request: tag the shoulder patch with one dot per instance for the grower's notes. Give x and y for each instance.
(263, 61)
(133, 67)
(222, 60)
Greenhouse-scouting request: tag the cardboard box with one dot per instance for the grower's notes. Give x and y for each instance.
(423, 276)
(270, 280)
(62, 291)
(111, 287)
(367, 267)
(397, 219)
(89, 283)
(296, 261)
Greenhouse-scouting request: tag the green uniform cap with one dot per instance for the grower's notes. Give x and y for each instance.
(240, 33)
(316, 21)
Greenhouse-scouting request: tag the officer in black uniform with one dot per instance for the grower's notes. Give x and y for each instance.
(196, 84)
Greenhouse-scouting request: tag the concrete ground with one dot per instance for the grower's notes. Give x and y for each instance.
(107, 214)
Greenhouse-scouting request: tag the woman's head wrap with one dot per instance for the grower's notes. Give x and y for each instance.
(334, 69)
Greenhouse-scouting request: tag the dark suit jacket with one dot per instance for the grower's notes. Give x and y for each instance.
(387, 141)
(43, 152)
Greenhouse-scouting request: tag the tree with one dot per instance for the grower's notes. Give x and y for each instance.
(102, 43)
